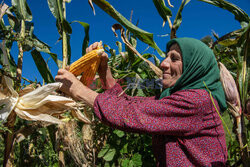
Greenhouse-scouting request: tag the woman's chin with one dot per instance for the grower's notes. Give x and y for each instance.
(166, 85)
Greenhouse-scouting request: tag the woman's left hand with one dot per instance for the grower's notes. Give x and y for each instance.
(74, 88)
(70, 84)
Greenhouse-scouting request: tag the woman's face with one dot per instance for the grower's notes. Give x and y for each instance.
(172, 66)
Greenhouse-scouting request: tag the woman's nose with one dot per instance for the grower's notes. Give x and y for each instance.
(165, 64)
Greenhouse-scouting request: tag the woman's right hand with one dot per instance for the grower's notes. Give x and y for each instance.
(104, 72)
(104, 58)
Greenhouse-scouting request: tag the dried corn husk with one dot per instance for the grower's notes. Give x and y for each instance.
(40, 104)
(231, 91)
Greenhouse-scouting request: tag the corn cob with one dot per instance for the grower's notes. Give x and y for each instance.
(89, 75)
(231, 91)
(85, 61)
(87, 65)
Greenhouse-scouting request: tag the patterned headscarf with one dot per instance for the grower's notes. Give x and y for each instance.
(199, 66)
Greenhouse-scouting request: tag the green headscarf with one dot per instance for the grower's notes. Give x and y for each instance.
(199, 64)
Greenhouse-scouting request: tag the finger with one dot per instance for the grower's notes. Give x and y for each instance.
(67, 68)
(104, 58)
(95, 45)
(60, 71)
(104, 55)
(58, 78)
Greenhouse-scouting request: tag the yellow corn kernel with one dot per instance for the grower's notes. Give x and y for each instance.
(89, 75)
(85, 61)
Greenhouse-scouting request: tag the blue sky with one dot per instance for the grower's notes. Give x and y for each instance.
(199, 20)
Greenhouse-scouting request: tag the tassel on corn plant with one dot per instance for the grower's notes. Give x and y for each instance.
(87, 65)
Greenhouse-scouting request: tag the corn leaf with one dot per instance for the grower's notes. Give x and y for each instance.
(69, 49)
(67, 26)
(163, 11)
(239, 14)
(5, 60)
(34, 42)
(178, 17)
(144, 36)
(86, 37)
(230, 38)
(139, 60)
(119, 45)
(56, 60)
(55, 7)
(13, 21)
(5, 51)
(42, 66)
(22, 10)
(40, 45)
(243, 50)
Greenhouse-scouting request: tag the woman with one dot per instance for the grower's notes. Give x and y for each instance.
(186, 129)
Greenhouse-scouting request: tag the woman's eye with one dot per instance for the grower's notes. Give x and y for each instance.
(174, 58)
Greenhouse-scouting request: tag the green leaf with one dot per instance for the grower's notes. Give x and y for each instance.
(85, 43)
(124, 149)
(125, 162)
(107, 153)
(40, 45)
(156, 61)
(136, 159)
(228, 42)
(11, 65)
(103, 151)
(56, 60)
(133, 41)
(119, 133)
(239, 14)
(163, 11)
(110, 155)
(243, 50)
(139, 60)
(22, 10)
(55, 7)
(13, 21)
(66, 26)
(119, 45)
(178, 17)
(42, 66)
(144, 36)
(69, 49)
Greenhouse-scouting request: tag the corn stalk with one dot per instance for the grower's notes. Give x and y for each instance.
(65, 58)
(243, 86)
(64, 38)
(9, 138)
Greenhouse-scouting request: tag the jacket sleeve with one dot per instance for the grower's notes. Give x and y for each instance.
(180, 114)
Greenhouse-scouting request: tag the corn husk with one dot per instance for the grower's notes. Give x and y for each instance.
(41, 104)
(231, 91)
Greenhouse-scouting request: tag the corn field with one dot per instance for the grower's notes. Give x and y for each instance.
(41, 127)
